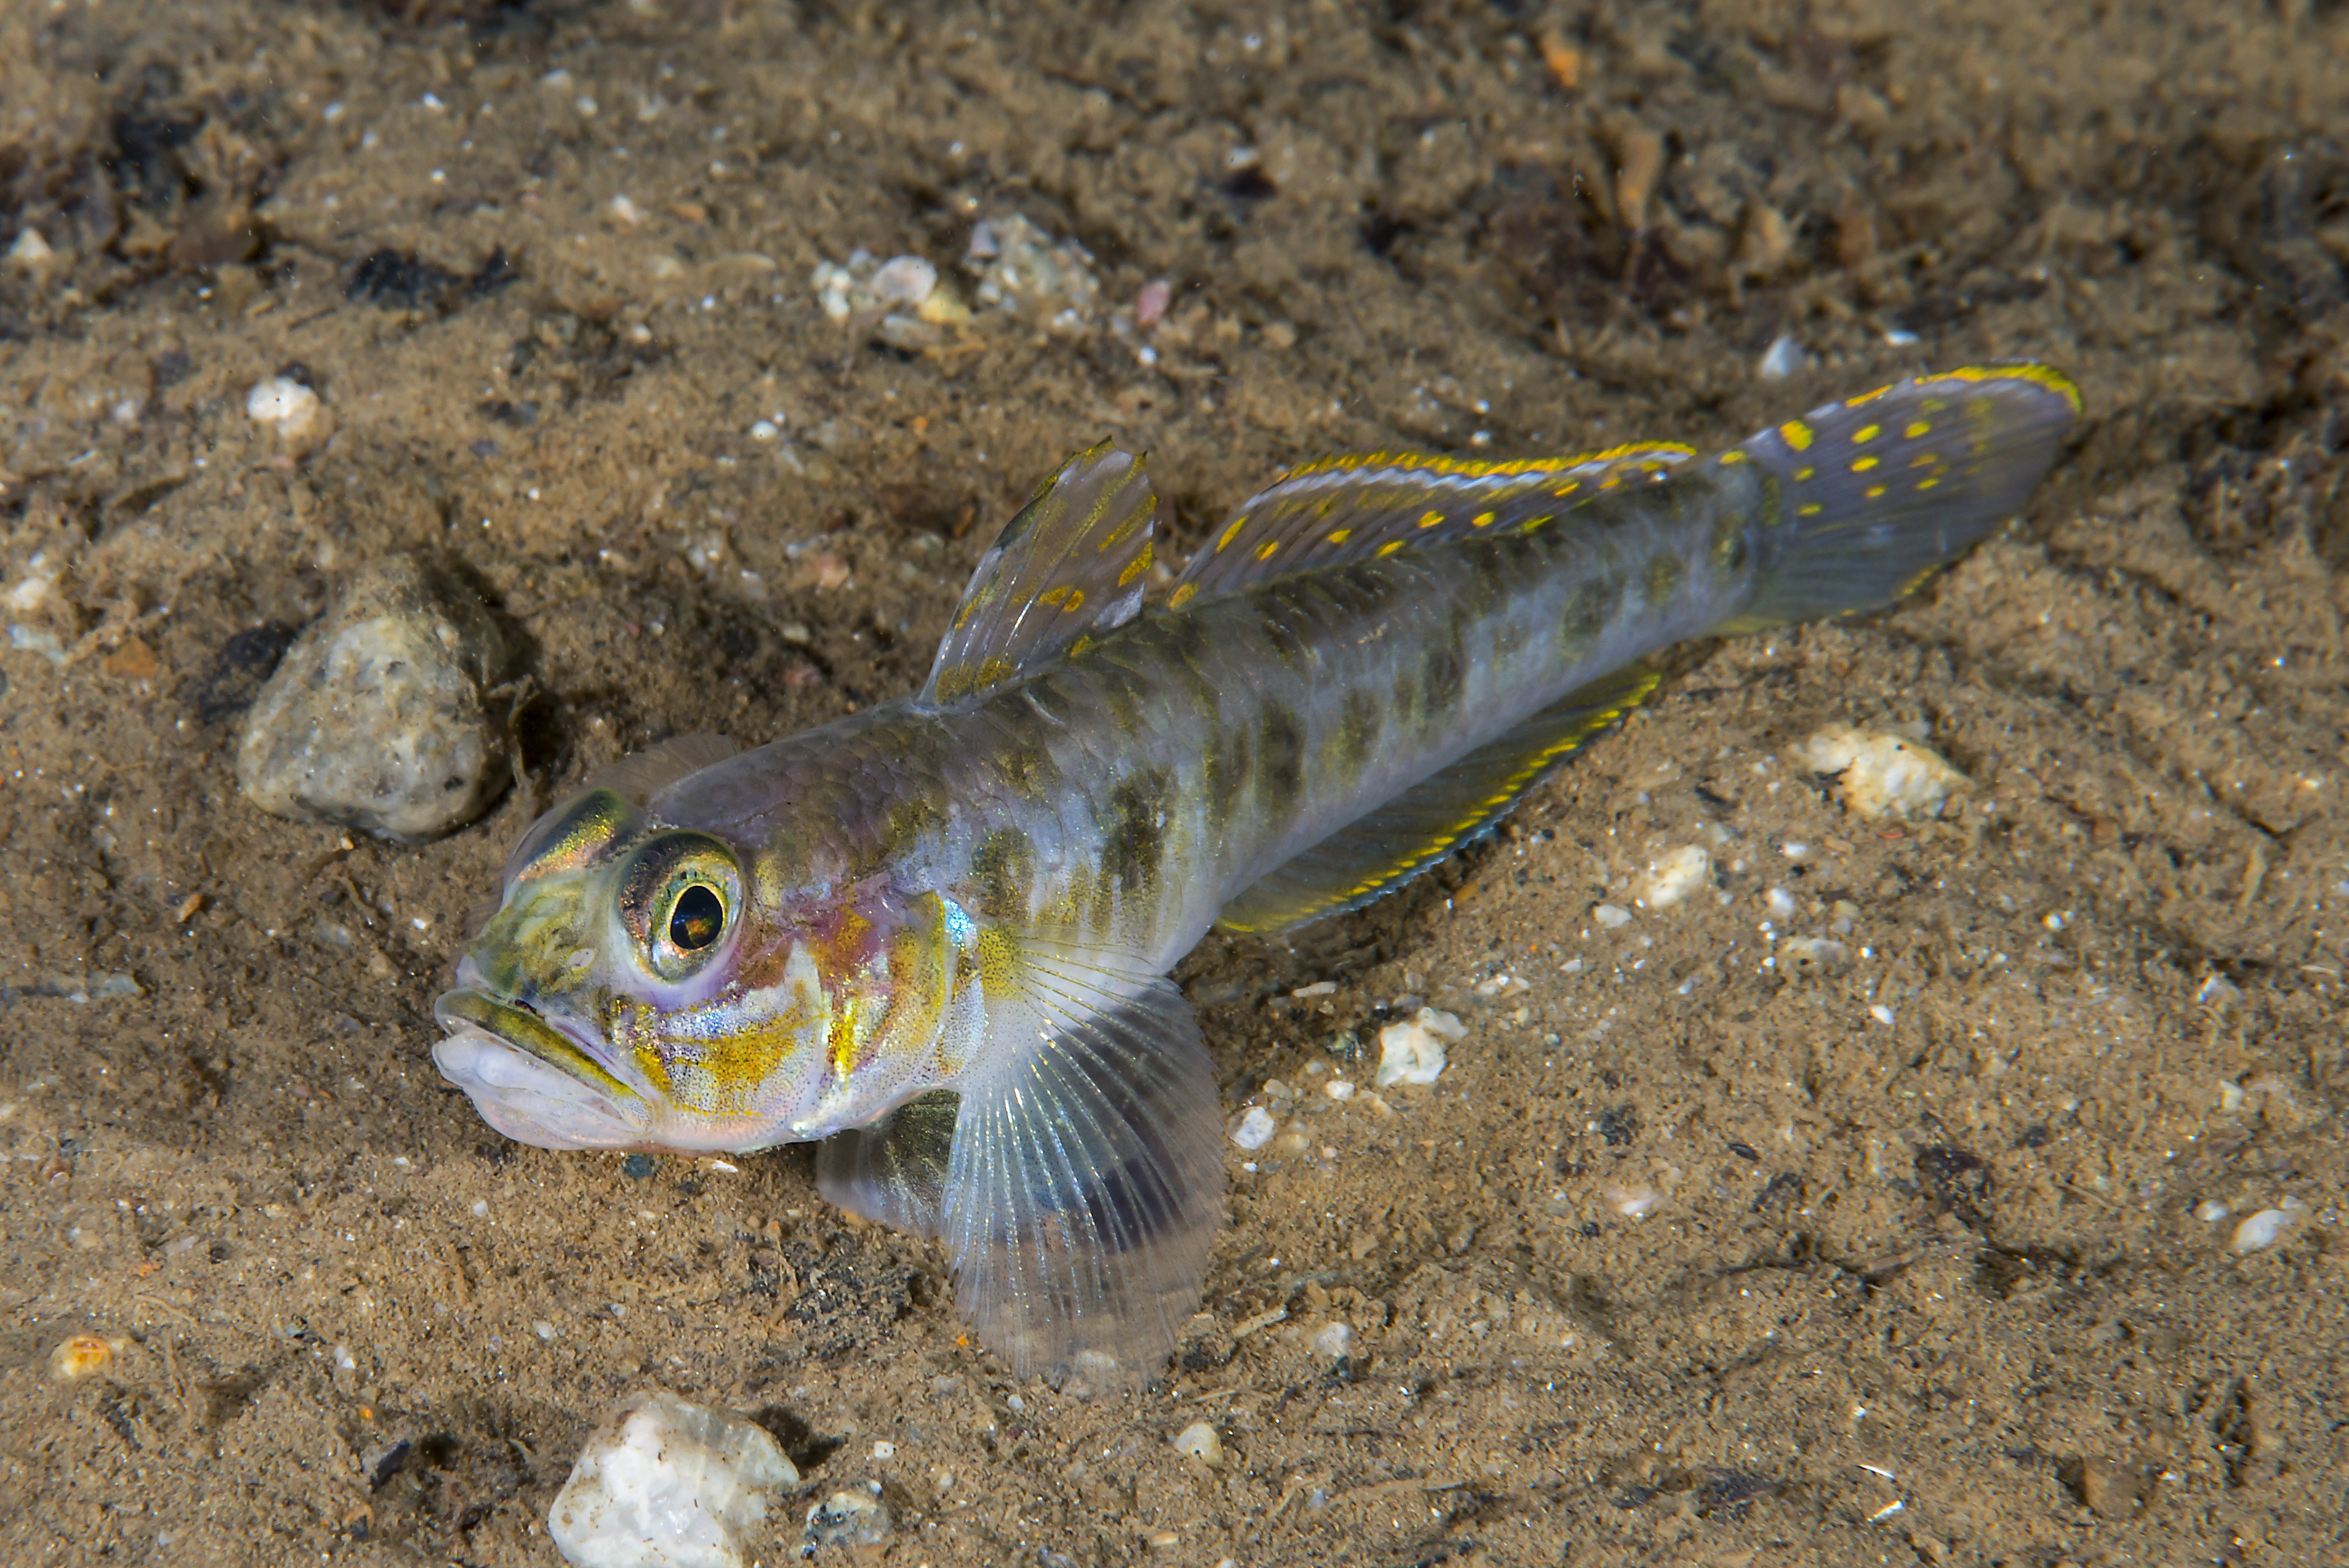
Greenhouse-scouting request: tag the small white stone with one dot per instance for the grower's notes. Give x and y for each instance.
(2266, 1228)
(1880, 775)
(31, 253)
(1781, 903)
(667, 1484)
(904, 280)
(2210, 1211)
(1338, 1088)
(1782, 359)
(1634, 1202)
(1202, 1443)
(284, 402)
(1334, 1340)
(1413, 1050)
(885, 1451)
(1255, 1128)
(764, 430)
(1611, 916)
(1674, 877)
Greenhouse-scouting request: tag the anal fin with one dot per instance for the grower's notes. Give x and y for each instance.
(1379, 852)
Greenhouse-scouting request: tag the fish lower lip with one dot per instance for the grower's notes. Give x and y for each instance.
(526, 1032)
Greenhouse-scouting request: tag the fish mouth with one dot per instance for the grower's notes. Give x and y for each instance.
(532, 1082)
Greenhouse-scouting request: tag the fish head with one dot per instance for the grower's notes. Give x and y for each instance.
(646, 986)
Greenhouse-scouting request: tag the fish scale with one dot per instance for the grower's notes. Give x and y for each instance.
(934, 936)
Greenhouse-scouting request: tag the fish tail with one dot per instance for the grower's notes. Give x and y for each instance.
(1865, 498)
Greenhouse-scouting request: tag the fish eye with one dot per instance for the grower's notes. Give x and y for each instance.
(697, 917)
(680, 896)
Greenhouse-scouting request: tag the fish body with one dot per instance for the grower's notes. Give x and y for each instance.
(934, 936)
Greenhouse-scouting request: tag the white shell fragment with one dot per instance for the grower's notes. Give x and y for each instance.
(1677, 875)
(1255, 1128)
(381, 715)
(1611, 916)
(284, 403)
(847, 1519)
(2263, 1229)
(1202, 1443)
(667, 1484)
(1881, 775)
(1413, 1050)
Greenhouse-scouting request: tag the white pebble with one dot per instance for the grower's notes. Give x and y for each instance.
(1675, 877)
(1338, 1088)
(885, 1451)
(904, 280)
(543, 1328)
(1202, 1443)
(1781, 903)
(1880, 775)
(1255, 1128)
(284, 402)
(1882, 1013)
(1334, 1340)
(1634, 1202)
(1782, 359)
(1613, 916)
(1413, 1050)
(764, 430)
(2210, 1211)
(667, 1484)
(31, 253)
(2265, 1228)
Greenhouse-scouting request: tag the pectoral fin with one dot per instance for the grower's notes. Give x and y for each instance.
(1085, 1185)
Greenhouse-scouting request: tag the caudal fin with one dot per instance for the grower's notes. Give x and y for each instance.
(1876, 492)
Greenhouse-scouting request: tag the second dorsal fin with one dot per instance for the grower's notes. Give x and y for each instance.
(1071, 565)
(1370, 504)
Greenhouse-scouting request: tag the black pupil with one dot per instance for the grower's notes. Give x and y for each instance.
(697, 918)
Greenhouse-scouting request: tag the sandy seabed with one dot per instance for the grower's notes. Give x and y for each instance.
(1695, 1253)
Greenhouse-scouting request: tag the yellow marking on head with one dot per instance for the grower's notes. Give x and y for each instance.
(1265, 552)
(1863, 465)
(1182, 595)
(1809, 509)
(1865, 434)
(1918, 427)
(1482, 520)
(1232, 532)
(1431, 520)
(1135, 567)
(1872, 491)
(1388, 548)
(1797, 434)
(1337, 536)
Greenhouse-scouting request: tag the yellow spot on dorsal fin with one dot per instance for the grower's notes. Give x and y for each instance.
(1337, 536)
(1865, 434)
(1390, 547)
(1863, 465)
(1136, 567)
(1918, 427)
(1182, 595)
(1264, 551)
(1232, 532)
(1482, 520)
(1797, 434)
(1431, 520)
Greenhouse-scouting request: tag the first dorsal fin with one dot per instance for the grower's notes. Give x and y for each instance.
(1365, 505)
(1377, 853)
(1070, 567)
